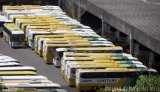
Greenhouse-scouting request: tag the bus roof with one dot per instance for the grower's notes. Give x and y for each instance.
(112, 65)
(26, 77)
(89, 48)
(105, 61)
(56, 35)
(8, 64)
(27, 81)
(98, 58)
(2, 73)
(31, 85)
(94, 53)
(120, 69)
(20, 68)
(13, 28)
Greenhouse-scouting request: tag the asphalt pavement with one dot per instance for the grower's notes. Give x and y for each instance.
(28, 57)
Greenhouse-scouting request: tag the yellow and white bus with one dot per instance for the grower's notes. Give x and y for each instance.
(85, 54)
(48, 49)
(118, 61)
(100, 61)
(90, 56)
(13, 35)
(32, 85)
(9, 64)
(9, 13)
(69, 73)
(41, 29)
(17, 73)
(20, 68)
(59, 51)
(31, 34)
(37, 38)
(25, 77)
(4, 59)
(25, 81)
(23, 25)
(97, 57)
(4, 20)
(22, 7)
(27, 16)
(91, 79)
(33, 90)
(41, 40)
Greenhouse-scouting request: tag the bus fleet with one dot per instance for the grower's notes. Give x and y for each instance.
(87, 61)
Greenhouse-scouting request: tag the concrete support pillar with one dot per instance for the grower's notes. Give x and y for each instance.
(73, 9)
(102, 32)
(79, 14)
(107, 29)
(17, 1)
(131, 43)
(151, 59)
(59, 3)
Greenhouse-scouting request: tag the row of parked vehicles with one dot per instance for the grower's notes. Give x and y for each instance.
(87, 60)
(14, 77)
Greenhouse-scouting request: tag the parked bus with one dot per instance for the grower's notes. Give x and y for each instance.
(26, 77)
(63, 40)
(17, 73)
(60, 38)
(99, 56)
(40, 42)
(8, 60)
(64, 68)
(59, 51)
(70, 72)
(69, 56)
(38, 37)
(26, 81)
(13, 35)
(31, 87)
(9, 64)
(91, 79)
(20, 68)
(50, 48)
(15, 18)
(34, 90)
(2, 57)
(51, 31)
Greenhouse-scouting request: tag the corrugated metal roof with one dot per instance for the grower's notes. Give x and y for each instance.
(140, 16)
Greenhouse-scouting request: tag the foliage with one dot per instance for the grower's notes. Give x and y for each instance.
(148, 83)
(143, 84)
(1, 87)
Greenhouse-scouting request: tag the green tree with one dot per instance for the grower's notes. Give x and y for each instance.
(148, 83)
(1, 87)
(144, 83)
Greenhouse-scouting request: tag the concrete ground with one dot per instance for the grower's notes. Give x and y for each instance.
(28, 57)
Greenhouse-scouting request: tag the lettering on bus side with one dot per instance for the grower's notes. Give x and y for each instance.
(109, 80)
(106, 80)
(86, 80)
